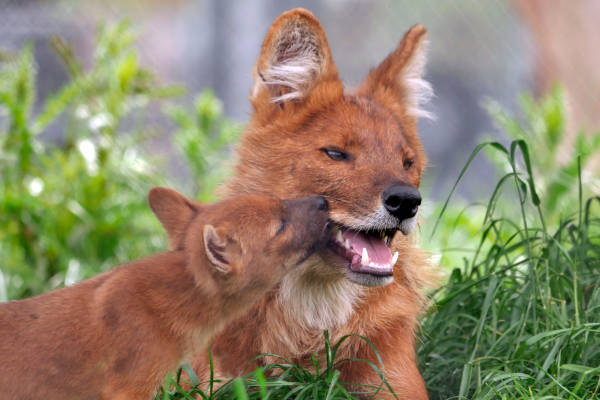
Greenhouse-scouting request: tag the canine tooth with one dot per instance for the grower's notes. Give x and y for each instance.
(339, 237)
(395, 258)
(347, 244)
(365, 257)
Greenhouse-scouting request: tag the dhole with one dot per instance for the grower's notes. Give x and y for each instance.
(360, 150)
(117, 335)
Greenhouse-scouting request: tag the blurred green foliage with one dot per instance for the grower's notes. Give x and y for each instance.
(557, 160)
(201, 137)
(73, 209)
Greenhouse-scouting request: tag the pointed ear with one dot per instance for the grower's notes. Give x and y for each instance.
(295, 56)
(174, 211)
(214, 245)
(400, 76)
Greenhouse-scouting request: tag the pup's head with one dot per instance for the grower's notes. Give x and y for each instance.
(246, 243)
(360, 150)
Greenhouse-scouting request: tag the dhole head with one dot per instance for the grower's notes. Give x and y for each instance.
(359, 149)
(248, 242)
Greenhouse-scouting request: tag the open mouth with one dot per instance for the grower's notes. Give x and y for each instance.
(367, 251)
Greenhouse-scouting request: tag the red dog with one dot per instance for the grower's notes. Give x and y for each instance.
(117, 335)
(361, 151)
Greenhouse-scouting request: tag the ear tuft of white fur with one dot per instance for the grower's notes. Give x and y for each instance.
(294, 66)
(418, 91)
(295, 75)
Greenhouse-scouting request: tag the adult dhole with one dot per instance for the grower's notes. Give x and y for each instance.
(359, 149)
(117, 335)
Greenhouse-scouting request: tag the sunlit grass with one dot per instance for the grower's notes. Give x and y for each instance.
(521, 318)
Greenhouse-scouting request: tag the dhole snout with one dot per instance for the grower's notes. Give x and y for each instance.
(310, 215)
(401, 200)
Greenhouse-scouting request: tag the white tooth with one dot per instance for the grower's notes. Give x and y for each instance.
(395, 258)
(339, 237)
(347, 244)
(365, 257)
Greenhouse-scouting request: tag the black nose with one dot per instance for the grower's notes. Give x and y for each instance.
(401, 200)
(322, 203)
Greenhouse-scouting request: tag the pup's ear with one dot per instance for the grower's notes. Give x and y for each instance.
(400, 76)
(295, 56)
(174, 211)
(214, 246)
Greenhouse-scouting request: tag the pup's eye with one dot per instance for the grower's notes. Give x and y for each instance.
(281, 227)
(335, 154)
(408, 163)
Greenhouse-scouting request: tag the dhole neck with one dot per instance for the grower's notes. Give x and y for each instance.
(170, 289)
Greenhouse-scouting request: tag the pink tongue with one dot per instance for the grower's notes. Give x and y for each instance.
(379, 253)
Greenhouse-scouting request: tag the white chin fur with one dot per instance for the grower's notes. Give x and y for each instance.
(318, 295)
(408, 225)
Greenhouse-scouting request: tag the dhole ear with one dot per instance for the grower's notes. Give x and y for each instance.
(174, 211)
(295, 56)
(214, 246)
(400, 75)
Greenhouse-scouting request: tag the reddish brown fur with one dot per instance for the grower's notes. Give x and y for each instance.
(117, 335)
(280, 154)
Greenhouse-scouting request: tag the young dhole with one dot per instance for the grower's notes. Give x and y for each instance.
(117, 335)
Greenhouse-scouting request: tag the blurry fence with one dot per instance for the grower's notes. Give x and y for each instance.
(478, 49)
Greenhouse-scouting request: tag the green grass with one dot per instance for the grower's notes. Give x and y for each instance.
(520, 319)
(282, 380)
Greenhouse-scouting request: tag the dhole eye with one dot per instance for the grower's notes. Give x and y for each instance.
(408, 163)
(281, 227)
(335, 154)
